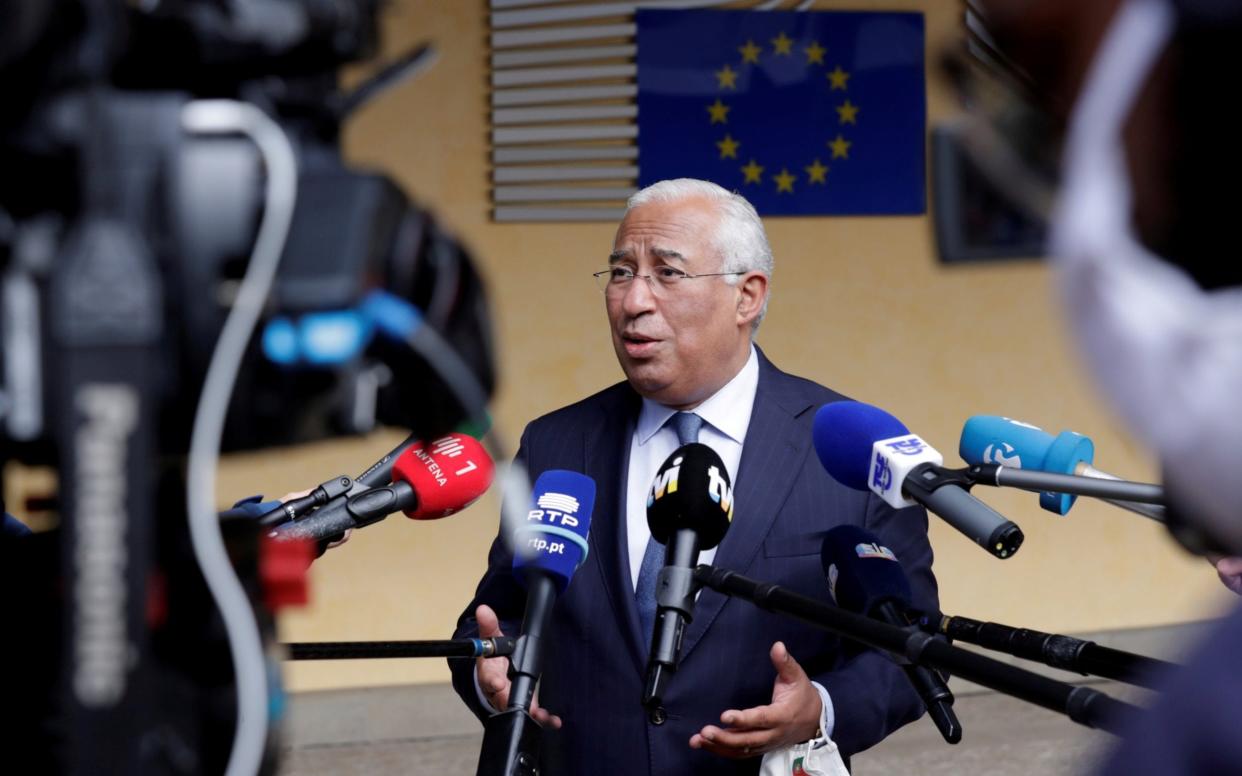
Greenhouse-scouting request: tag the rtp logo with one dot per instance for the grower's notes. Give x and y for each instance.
(556, 508)
(882, 474)
(561, 502)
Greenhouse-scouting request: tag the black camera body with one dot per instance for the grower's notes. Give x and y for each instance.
(125, 235)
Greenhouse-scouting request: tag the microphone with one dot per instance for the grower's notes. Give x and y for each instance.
(865, 577)
(548, 549)
(863, 447)
(993, 439)
(689, 509)
(429, 482)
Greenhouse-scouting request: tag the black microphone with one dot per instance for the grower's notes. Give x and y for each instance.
(356, 511)
(688, 510)
(429, 482)
(336, 491)
(865, 577)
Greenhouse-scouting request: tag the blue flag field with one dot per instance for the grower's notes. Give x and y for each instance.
(803, 113)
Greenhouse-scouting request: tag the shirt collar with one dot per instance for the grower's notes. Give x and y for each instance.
(720, 410)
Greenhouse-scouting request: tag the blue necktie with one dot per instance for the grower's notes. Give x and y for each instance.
(687, 426)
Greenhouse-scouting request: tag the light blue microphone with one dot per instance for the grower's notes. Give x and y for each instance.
(1009, 442)
(1012, 443)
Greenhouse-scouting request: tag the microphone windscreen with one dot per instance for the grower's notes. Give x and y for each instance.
(862, 573)
(554, 537)
(691, 490)
(448, 474)
(993, 439)
(844, 433)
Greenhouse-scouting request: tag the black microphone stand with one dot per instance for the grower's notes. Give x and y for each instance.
(1083, 705)
(499, 646)
(511, 738)
(1065, 652)
(675, 592)
(1037, 482)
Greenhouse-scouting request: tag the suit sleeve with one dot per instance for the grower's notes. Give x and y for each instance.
(871, 695)
(500, 590)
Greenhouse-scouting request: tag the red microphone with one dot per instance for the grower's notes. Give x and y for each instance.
(430, 481)
(448, 475)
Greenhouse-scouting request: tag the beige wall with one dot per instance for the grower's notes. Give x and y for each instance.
(860, 304)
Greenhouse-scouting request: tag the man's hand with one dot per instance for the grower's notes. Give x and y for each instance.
(792, 717)
(493, 672)
(1229, 570)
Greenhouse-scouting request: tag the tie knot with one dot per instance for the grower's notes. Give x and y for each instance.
(687, 426)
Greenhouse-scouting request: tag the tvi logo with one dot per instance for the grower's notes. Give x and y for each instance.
(882, 474)
(665, 482)
(719, 491)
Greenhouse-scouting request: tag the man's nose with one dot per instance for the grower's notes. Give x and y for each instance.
(639, 296)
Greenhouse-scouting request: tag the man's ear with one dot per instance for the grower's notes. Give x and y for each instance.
(752, 292)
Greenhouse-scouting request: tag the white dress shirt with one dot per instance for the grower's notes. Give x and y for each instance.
(726, 416)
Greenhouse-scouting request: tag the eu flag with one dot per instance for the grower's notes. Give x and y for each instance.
(801, 112)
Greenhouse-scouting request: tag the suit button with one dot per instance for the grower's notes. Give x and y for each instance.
(657, 716)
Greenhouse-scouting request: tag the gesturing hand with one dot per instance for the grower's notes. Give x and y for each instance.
(493, 672)
(791, 717)
(1229, 570)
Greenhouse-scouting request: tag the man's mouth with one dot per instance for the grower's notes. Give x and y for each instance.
(638, 345)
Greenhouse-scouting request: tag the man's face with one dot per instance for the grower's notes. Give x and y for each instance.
(678, 344)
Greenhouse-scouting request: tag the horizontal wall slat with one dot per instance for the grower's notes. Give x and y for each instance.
(507, 97)
(551, 75)
(513, 39)
(515, 174)
(548, 134)
(538, 37)
(503, 19)
(512, 213)
(499, 4)
(502, 59)
(508, 154)
(533, 115)
(562, 193)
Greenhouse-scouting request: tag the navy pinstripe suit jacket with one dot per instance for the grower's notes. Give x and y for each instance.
(595, 655)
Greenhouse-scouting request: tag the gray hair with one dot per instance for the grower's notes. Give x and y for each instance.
(740, 239)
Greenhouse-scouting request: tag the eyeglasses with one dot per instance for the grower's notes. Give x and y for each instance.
(616, 280)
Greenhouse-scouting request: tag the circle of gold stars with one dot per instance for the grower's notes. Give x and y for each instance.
(838, 81)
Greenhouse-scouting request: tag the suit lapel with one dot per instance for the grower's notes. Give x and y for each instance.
(772, 454)
(606, 456)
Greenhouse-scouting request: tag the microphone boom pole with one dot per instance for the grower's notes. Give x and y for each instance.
(499, 646)
(1083, 705)
(1065, 652)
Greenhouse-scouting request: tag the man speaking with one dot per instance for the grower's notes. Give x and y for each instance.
(686, 286)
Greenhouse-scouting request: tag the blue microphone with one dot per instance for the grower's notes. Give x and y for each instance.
(865, 448)
(547, 550)
(866, 578)
(553, 540)
(1008, 442)
(862, 573)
